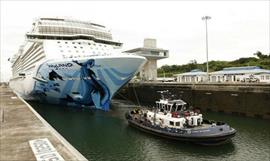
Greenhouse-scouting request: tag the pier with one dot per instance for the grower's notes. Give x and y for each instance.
(245, 99)
(20, 123)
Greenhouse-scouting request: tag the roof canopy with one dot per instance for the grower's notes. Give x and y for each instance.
(241, 70)
(193, 72)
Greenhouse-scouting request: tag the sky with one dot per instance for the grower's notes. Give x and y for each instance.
(236, 28)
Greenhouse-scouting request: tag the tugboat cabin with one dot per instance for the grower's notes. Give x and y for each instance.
(173, 114)
(170, 105)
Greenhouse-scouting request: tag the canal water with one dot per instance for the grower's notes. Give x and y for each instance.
(106, 136)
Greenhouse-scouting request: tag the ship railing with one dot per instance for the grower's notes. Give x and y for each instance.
(164, 129)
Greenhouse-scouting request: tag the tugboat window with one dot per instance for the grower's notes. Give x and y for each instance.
(177, 124)
(174, 107)
(171, 123)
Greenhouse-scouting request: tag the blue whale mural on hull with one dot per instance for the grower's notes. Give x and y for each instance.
(99, 92)
(79, 83)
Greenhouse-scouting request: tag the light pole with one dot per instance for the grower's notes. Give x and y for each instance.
(163, 74)
(205, 18)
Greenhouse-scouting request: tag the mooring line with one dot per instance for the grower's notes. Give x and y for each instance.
(123, 96)
(136, 95)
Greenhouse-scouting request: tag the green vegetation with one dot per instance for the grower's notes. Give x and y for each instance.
(262, 61)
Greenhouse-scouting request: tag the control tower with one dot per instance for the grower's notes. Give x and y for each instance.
(152, 53)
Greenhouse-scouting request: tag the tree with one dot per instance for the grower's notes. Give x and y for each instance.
(260, 55)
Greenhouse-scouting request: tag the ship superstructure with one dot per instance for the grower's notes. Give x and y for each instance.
(71, 62)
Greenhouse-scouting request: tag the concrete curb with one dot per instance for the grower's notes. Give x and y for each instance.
(59, 136)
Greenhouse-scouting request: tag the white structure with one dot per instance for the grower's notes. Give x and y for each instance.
(166, 79)
(194, 76)
(241, 74)
(152, 53)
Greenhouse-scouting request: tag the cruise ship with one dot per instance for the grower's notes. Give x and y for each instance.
(71, 62)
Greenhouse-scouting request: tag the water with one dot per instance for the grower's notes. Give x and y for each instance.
(106, 136)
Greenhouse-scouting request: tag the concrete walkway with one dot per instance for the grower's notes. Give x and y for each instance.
(19, 123)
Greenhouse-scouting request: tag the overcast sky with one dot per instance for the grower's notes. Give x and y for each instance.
(237, 29)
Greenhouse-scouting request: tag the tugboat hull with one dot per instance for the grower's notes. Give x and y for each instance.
(208, 134)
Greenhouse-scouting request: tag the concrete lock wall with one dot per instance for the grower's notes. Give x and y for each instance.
(246, 100)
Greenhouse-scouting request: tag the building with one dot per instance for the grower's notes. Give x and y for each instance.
(194, 76)
(152, 53)
(241, 74)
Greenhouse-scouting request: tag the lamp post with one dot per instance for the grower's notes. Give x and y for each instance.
(163, 73)
(205, 18)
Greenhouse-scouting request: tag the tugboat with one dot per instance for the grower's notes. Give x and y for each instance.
(173, 119)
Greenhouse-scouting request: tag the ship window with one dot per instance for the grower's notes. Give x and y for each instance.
(171, 123)
(58, 42)
(79, 43)
(75, 46)
(177, 124)
(66, 42)
(81, 47)
(73, 42)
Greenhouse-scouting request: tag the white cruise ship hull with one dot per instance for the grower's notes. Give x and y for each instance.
(82, 82)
